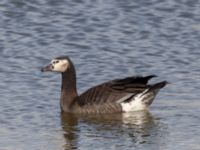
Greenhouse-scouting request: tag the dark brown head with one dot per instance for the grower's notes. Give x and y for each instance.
(59, 64)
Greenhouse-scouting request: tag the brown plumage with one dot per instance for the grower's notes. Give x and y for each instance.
(108, 97)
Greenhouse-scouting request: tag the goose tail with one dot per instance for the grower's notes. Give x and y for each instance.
(142, 100)
(149, 94)
(158, 86)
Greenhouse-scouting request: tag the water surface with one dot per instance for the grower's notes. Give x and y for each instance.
(105, 40)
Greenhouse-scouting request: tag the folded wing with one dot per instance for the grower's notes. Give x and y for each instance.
(115, 91)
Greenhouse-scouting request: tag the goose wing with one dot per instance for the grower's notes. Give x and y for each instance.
(115, 91)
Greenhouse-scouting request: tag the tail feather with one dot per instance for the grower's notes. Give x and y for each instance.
(158, 86)
(150, 76)
(149, 94)
(142, 100)
(147, 78)
(155, 87)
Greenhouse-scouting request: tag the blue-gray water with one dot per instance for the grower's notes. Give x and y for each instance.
(106, 40)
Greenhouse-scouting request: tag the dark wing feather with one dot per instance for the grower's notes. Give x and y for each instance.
(133, 80)
(114, 90)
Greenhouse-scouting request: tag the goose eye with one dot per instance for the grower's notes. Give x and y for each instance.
(56, 61)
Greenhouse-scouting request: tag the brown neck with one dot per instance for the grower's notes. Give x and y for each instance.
(68, 89)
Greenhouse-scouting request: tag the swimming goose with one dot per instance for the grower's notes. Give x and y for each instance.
(119, 95)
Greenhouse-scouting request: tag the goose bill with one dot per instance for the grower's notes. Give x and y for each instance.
(47, 68)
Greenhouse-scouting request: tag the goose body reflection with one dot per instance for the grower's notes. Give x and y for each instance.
(135, 126)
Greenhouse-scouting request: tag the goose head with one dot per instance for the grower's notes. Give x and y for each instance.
(59, 64)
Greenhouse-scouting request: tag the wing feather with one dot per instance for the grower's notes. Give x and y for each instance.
(114, 91)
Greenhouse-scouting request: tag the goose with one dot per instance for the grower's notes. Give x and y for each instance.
(114, 96)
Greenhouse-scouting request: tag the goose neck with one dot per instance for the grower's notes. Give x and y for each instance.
(68, 90)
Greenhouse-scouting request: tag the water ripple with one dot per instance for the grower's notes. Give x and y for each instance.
(105, 40)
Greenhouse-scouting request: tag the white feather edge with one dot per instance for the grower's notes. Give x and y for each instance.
(135, 104)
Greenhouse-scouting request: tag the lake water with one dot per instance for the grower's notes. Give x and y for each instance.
(105, 40)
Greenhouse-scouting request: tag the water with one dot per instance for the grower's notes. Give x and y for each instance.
(105, 40)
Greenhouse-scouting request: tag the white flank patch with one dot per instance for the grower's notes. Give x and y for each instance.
(135, 104)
